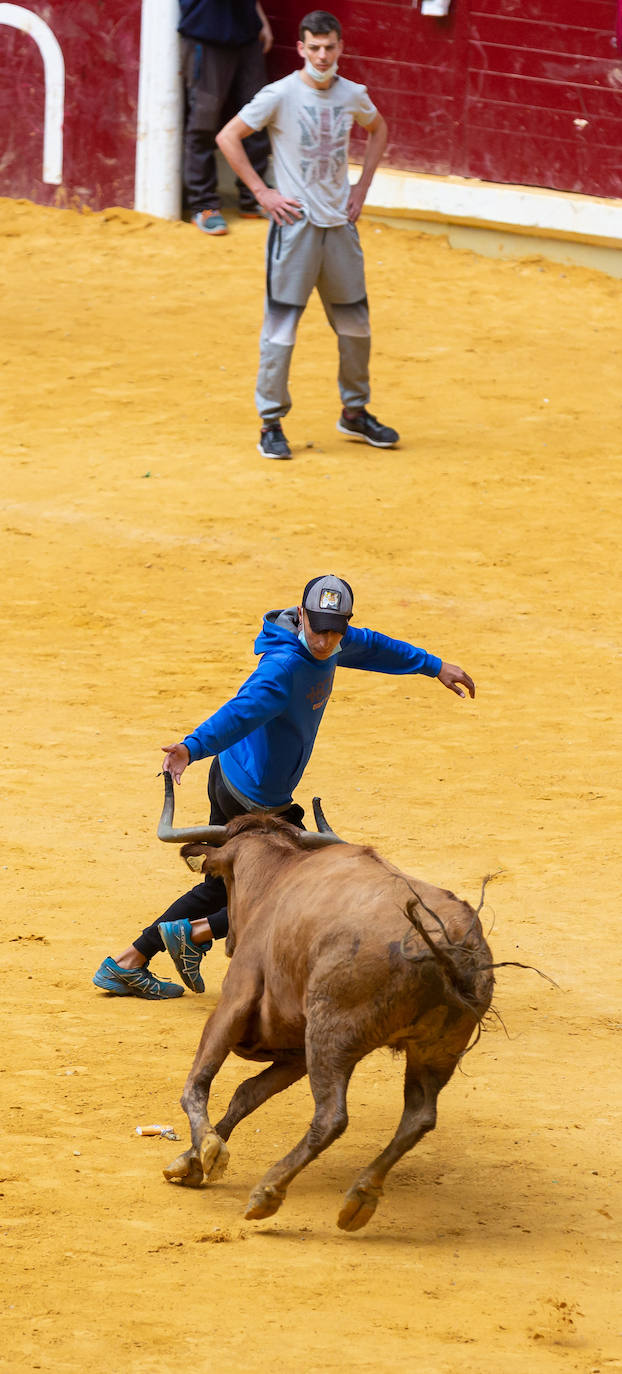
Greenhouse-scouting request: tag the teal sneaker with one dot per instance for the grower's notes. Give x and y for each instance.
(133, 982)
(186, 956)
(211, 222)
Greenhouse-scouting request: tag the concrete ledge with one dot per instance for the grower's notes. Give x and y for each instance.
(499, 220)
(519, 209)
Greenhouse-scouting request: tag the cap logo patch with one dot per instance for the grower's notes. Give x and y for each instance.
(329, 600)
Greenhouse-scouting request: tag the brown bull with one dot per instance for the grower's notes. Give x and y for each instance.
(325, 969)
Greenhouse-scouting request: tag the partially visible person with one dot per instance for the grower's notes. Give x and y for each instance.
(225, 42)
(261, 742)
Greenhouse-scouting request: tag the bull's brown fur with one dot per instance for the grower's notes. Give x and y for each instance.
(318, 979)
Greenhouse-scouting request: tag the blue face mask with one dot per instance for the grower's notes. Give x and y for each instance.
(303, 640)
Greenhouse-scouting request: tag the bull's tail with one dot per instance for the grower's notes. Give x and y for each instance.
(461, 964)
(465, 964)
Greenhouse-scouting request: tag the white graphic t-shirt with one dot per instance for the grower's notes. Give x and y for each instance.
(309, 131)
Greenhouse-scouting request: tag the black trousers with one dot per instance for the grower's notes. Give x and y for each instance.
(209, 898)
(219, 81)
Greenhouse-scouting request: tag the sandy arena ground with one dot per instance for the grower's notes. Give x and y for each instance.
(143, 537)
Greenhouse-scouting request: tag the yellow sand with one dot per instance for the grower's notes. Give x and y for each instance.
(143, 537)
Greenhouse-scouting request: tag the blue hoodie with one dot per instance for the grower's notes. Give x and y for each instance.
(265, 735)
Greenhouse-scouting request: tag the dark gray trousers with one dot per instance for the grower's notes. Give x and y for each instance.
(219, 80)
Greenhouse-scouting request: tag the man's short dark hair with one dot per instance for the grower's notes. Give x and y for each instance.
(319, 21)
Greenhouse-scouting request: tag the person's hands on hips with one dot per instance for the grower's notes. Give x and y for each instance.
(356, 200)
(450, 675)
(282, 209)
(176, 760)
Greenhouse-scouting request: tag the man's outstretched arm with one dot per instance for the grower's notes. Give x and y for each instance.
(377, 653)
(282, 209)
(376, 144)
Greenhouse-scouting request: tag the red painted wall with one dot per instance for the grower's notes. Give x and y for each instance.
(409, 64)
(493, 91)
(100, 40)
(525, 91)
(544, 95)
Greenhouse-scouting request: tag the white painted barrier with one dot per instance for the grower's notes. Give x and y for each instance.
(517, 209)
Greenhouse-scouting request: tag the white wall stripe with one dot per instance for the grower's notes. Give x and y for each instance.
(54, 77)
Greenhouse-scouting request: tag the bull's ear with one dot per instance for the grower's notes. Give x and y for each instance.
(194, 856)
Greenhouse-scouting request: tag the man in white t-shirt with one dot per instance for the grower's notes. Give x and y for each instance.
(313, 239)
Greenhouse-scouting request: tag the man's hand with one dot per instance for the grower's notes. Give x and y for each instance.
(177, 758)
(450, 676)
(376, 144)
(282, 209)
(265, 35)
(356, 201)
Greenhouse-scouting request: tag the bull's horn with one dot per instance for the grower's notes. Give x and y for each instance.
(326, 835)
(320, 819)
(217, 834)
(208, 834)
(308, 839)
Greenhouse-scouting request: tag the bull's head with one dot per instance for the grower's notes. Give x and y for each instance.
(217, 834)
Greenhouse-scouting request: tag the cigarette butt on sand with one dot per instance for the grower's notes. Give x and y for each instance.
(157, 1130)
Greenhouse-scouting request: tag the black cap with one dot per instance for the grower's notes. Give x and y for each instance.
(328, 602)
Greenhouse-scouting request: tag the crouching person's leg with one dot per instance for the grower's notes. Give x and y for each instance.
(190, 925)
(186, 930)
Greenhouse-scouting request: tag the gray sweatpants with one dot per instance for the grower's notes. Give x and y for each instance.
(298, 257)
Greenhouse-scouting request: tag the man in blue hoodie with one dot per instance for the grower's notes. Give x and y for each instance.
(261, 742)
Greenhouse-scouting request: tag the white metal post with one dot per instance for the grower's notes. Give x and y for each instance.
(160, 112)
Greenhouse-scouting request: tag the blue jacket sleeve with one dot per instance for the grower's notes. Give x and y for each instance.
(260, 698)
(376, 653)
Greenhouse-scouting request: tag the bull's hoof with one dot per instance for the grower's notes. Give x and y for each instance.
(214, 1157)
(186, 1169)
(264, 1202)
(359, 1205)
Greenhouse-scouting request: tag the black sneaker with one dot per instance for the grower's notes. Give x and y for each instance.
(359, 424)
(272, 442)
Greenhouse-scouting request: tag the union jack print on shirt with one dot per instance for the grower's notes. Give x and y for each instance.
(323, 143)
